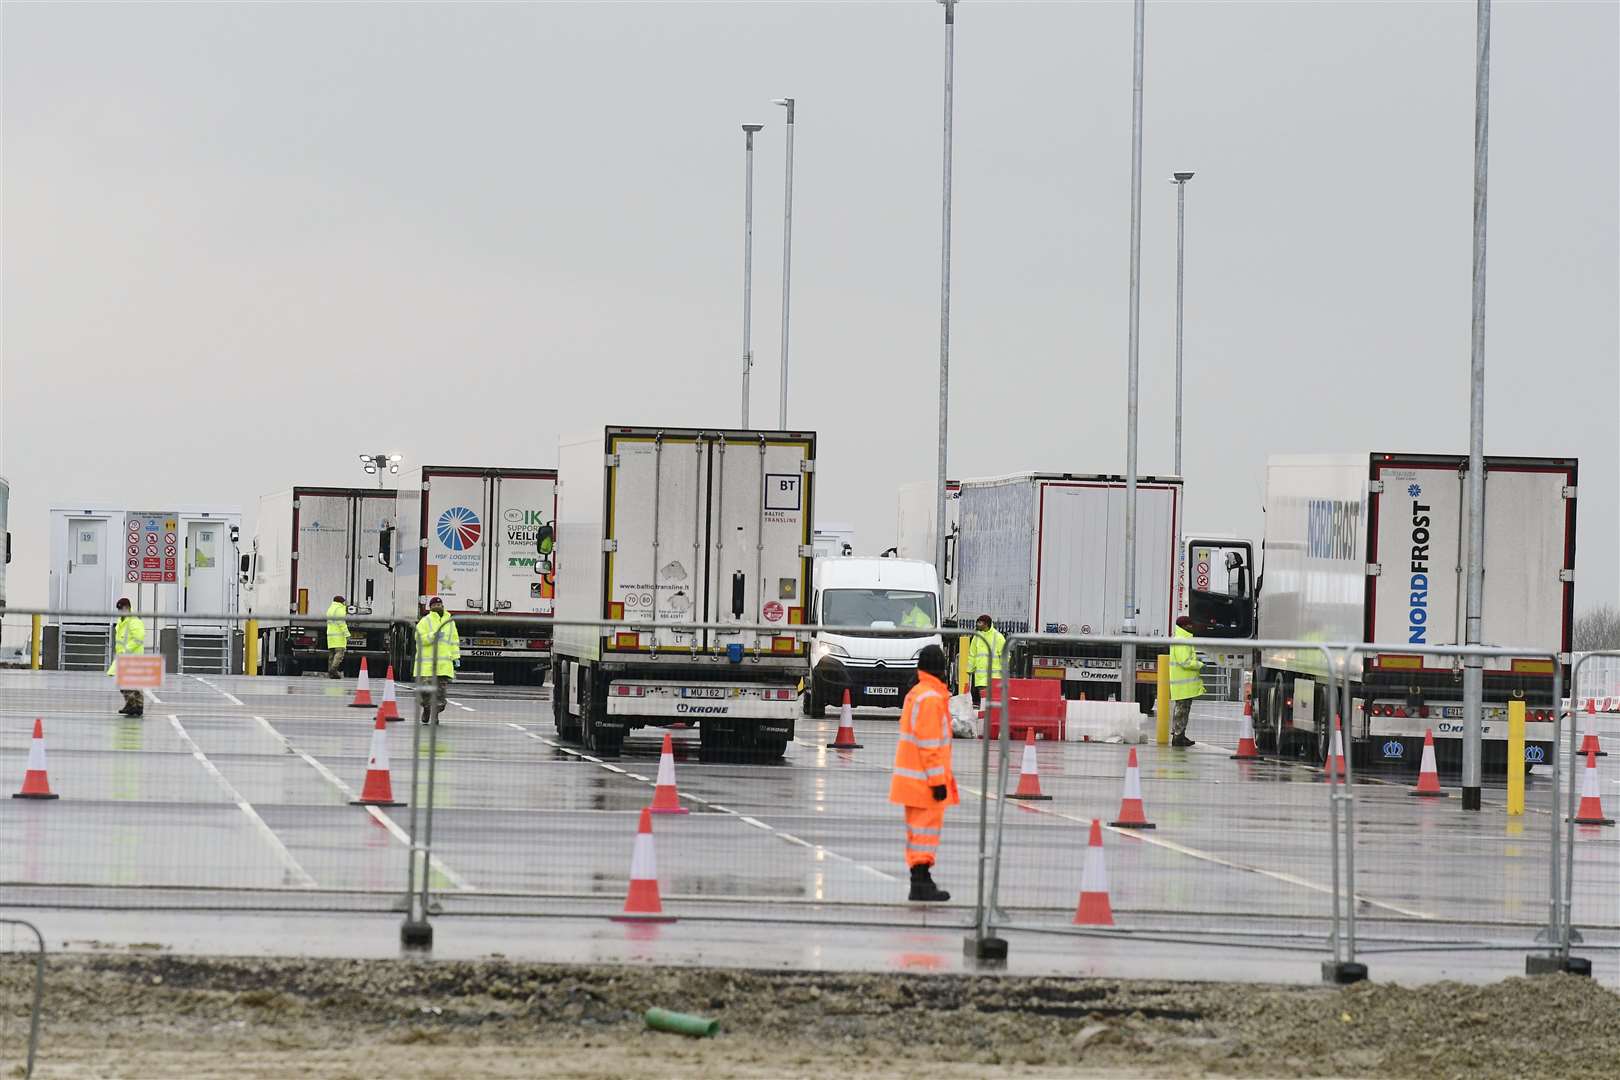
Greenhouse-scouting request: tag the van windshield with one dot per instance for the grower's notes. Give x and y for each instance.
(900, 608)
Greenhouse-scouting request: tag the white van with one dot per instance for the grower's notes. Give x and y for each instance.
(882, 594)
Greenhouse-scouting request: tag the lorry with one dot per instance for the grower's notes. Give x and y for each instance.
(682, 525)
(179, 561)
(879, 593)
(1043, 552)
(915, 537)
(473, 536)
(311, 544)
(1371, 547)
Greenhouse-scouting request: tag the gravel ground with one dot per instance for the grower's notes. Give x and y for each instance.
(158, 1015)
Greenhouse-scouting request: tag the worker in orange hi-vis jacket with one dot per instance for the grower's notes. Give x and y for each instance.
(922, 780)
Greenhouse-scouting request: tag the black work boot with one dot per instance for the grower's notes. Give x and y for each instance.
(923, 887)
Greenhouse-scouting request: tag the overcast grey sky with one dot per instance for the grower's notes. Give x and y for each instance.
(243, 243)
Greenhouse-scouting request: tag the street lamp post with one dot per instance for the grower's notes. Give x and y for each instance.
(377, 464)
(1127, 659)
(787, 259)
(748, 262)
(945, 293)
(1180, 180)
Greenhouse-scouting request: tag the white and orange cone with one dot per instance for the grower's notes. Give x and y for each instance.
(1246, 750)
(362, 694)
(1590, 812)
(1335, 761)
(379, 786)
(390, 701)
(642, 903)
(1130, 805)
(1029, 773)
(1094, 908)
(1589, 739)
(845, 739)
(1428, 785)
(667, 800)
(36, 785)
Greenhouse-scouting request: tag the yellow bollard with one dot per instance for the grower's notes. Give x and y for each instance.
(250, 647)
(963, 676)
(36, 637)
(1515, 758)
(1163, 704)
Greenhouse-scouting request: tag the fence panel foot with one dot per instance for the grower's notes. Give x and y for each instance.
(1555, 965)
(1343, 973)
(988, 950)
(416, 935)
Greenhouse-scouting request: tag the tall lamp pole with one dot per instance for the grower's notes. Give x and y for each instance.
(1473, 675)
(748, 262)
(787, 259)
(1127, 665)
(1180, 180)
(945, 293)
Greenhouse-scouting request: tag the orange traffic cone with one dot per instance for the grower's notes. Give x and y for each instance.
(36, 785)
(362, 695)
(1589, 742)
(666, 800)
(1029, 774)
(1428, 785)
(1335, 761)
(1590, 812)
(1094, 909)
(845, 739)
(642, 904)
(1246, 750)
(1130, 806)
(379, 787)
(390, 701)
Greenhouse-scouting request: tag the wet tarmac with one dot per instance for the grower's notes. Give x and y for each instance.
(234, 793)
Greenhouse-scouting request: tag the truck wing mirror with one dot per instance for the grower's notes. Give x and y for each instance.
(545, 538)
(385, 546)
(247, 568)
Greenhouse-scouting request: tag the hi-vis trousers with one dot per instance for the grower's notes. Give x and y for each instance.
(922, 833)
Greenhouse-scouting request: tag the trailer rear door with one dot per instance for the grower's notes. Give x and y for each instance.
(759, 569)
(523, 506)
(323, 545)
(455, 540)
(657, 532)
(1080, 564)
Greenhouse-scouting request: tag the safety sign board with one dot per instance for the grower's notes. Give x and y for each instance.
(140, 672)
(151, 548)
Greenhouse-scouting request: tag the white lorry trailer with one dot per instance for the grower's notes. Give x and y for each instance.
(470, 535)
(681, 525)
(876, 669)
(179, 561)
(1045, 553)
(1371, 547)
(915, 537)
(311, 544)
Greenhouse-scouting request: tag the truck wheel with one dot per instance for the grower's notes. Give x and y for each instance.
(567, 728)
(593, 710)
(285, 664)
(1267, 722)
(770, 748)
(815, 706)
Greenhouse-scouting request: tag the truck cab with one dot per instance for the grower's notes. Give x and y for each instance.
(884, 594)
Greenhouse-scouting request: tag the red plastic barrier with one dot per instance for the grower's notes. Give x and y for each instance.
(1036, 705)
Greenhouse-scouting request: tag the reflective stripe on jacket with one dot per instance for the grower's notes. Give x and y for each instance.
(129, 639)
(436, 637)
(984, 655)
(337, 627)
(922, 757)
(1184, 668)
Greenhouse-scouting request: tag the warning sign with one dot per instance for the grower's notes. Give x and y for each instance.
(137, 672)
(151, 551)
(1201, 569)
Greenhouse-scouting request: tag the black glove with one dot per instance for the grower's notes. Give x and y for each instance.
(940, 792)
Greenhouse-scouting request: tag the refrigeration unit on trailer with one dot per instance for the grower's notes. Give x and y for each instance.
(1372, 547)
(667, 525)
(470, 536)
(178, 561)
(1045, 553)
(314, 544)
(915, 537)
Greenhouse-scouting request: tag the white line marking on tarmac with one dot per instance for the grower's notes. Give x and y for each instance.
(716, 807)
(1215, 860)
(459, 705)
(232, 698)
(152, 697)
(246, 807)
(381, 818)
